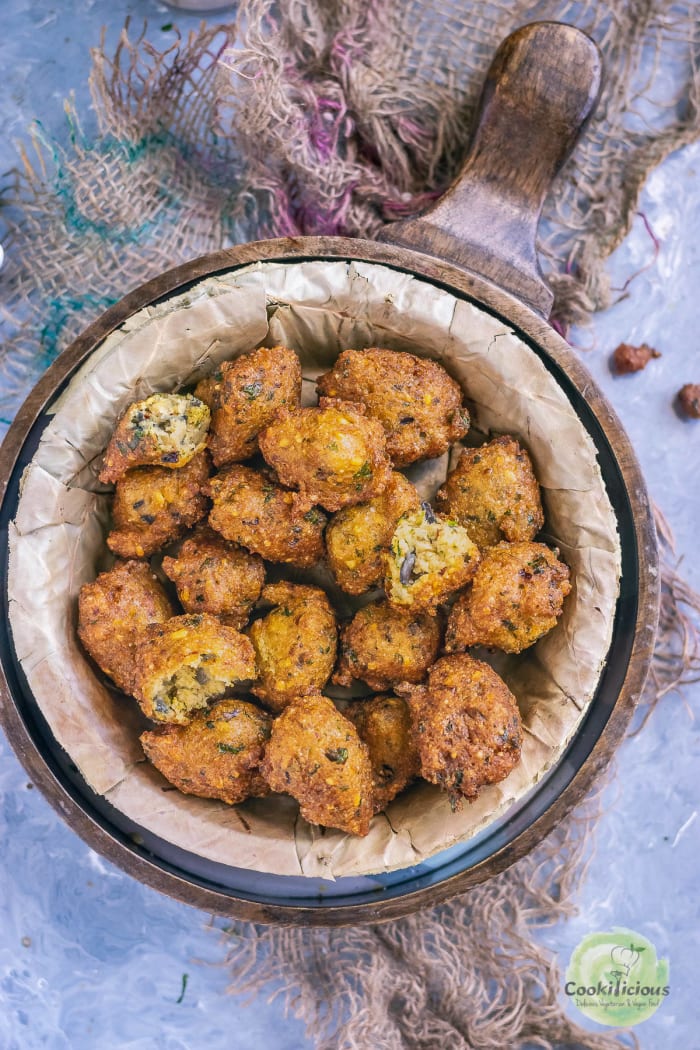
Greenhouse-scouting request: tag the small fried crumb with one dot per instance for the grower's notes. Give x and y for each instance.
(628, 358)
(689, 400)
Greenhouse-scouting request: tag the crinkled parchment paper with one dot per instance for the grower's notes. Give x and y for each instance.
(318, 308)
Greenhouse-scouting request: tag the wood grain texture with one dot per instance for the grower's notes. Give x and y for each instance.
(542, 86)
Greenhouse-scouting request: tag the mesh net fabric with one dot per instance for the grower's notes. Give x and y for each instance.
(336, 116)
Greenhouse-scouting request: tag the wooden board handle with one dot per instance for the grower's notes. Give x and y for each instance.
(542, 86)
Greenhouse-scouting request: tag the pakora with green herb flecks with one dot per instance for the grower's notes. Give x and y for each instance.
(382, 645)
(295, 643)
(515, 598)
(217, 755)
(182, 664)
(164, 430)
(315, 755)
(493, 492)
(334, 454)
(384, 724)
(417, 403)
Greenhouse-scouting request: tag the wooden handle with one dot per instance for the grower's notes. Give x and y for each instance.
(542, 86)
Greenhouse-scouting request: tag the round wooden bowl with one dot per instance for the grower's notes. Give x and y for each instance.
(478, 243)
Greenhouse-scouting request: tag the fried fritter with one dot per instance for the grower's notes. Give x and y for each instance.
(382, 645)
(217, 577)
(384, 723)
(251, 392)
(252, 510)
(357, 536)
(493, 492)
(418, 404)
(165, 430)
(430, 558)
(315, 754)
(154, 506)
(184, 663)
(295, 644)
(515, 598)
(113, 612)
(217, 755)
(467, 726)
(207, 389)
(334, 454)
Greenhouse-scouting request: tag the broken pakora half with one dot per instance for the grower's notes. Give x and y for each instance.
(154, 506)
(493, 492)
(334, 454)
(217, 755)
(417, 403)
(357, 536)
(254, 511)
(515, 598)
(382, 645)
(467, 726)
(295, 644)
(215, 576)
(384, 724)
(113, 612)
(182, 664)
(251, 391)
(164, 430)
(430, 558)
(315, 755)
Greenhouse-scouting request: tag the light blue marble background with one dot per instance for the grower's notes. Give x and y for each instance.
(92, 960)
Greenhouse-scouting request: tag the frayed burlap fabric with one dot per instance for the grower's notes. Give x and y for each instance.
(336, 116)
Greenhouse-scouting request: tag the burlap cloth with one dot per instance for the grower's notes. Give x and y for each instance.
(335, 116)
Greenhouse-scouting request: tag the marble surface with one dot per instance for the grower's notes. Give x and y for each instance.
(91, 959)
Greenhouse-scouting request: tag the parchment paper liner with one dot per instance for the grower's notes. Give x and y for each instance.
(318, 308)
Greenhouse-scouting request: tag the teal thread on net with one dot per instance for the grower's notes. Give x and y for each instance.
(61, 310)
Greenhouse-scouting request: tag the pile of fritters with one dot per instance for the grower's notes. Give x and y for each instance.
(219, 492)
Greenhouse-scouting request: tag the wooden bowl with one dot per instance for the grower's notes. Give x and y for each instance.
(477, 242)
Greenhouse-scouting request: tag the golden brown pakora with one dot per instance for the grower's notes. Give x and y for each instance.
(418, 404)
(515, 598)
(295, 644)
(382, 645)
(154, 506)
(113, 612)
(217, 755)
(207, 390)
(334, 454)
(164, 430)
(254, 511)
(251, 391)
(493, 492)
(430, 558)
(357, 536)
(467, 726)
(187, 661)
(215, 576)
(315, 755)
(384, 724)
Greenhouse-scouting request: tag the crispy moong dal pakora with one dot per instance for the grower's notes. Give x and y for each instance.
(493, 492)
(217, 755)
(184, 663)
(418, 404)
(315, 754)
(154, 506)
(164, 430)
(215, 576)
(357, 536)
(251, 391)
(382, 645)
(467, 726)
(515, 598)
(384, 724)
(295, 644)
(113, 612)
(254, 511)
(334, 454)
(430, 558)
